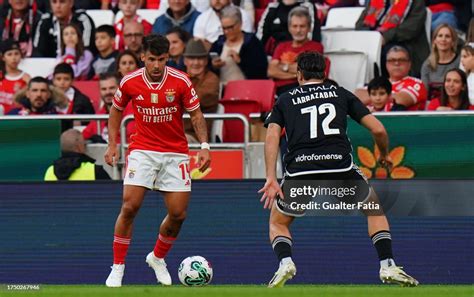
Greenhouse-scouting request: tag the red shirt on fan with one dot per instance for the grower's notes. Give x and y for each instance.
(158, 109)
(8, 87)
(413, 87)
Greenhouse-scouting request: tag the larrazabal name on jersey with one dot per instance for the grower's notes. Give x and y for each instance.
(317, 92)
(157, 114)
(314, 157)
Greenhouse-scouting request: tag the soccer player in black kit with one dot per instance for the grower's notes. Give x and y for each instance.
(314, 116)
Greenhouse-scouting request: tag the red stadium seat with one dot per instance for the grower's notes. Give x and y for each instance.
(234, 129)
(90, 89)
(260, 90)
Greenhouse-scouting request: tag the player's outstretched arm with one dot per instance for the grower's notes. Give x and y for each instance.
(271, 187)
(111, 154)
(380, 136)
(200, 127)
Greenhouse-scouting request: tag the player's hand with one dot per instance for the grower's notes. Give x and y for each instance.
(203, 160)
(386, 162)
(111, 155)
(270, 190)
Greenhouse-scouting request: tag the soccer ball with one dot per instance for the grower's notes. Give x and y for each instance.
(195, 271)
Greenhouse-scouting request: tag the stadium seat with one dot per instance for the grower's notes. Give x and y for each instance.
(90, 88)
(101, 17)
(218, 126)
(348, 69)
(429, 15)
(342, 18)
(234, 129)
(368, 42)
(38, 66)
(260, 90)
(150, 15)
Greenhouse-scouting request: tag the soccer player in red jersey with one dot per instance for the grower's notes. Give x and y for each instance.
(158, 158)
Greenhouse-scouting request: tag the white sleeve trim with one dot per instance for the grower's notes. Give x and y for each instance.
(193, 108)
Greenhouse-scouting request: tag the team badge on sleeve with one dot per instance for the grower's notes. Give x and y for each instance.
(118, 95)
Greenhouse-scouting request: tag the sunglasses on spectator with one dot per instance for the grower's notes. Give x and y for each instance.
(230, 27)
(398, 61)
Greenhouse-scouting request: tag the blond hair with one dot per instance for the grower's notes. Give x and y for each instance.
(433, 58)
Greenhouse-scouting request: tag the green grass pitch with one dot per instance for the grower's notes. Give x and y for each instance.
(248, 291)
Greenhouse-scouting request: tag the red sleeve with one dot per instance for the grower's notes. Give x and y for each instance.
(278, 52)
(121, 98)
(91, 129)
(434, 104)
(147, 27)
(190, 97)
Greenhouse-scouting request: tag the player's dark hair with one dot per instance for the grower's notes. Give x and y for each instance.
(38, 79)
(64, 68)
(380, 83)
(463, 96)
(156, 44)
(107, 29)
(311, 65)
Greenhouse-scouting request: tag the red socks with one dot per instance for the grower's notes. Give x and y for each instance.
(120, 248)
(163, 245)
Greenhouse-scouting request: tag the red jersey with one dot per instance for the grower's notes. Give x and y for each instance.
(287, 54)
(8, 87)
(413, 87)
(435, 103)
(158, 109)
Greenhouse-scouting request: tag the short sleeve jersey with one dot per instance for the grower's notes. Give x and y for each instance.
(8, 87)
(413, 87)
(158, 109)
(315, 120)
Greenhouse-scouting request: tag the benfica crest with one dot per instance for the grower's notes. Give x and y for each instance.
(170, 95)
(154, 98)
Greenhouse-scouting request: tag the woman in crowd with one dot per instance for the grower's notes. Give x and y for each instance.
(126, 63)
(442, 57)
(74, 53)
(453, 94)
(240, 55)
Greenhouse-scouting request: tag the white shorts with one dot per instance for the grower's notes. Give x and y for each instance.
(167, 172)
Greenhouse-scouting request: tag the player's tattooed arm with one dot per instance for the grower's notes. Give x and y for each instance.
(380, 136)
(199, 125)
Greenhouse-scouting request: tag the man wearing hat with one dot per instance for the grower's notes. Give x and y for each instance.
(205, 82)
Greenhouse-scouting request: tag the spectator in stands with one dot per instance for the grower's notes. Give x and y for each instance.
(133, 37)
(282, 67)
(126, 63)
(443, 57)
(74, 53)
(108, 85)
(129, 9)
(467, 61)
(273, 26)
(400, 23)
(18, 20)
(454, 94)
(105, 43)
(12, 79)
(46, 42)
(408, 93)
(78, 103)
(178, 38)
(38, 99)
(74, 164)
(208, 25)
(241, 55)
(442, 12)
(181, 13)
(380, 90)
(205, 82)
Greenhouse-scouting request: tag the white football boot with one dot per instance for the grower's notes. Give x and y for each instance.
(159, 266)
(285, 272)
(395, 274)
(115, 277)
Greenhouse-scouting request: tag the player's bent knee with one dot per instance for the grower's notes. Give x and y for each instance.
(129, 210)
(178, 216)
